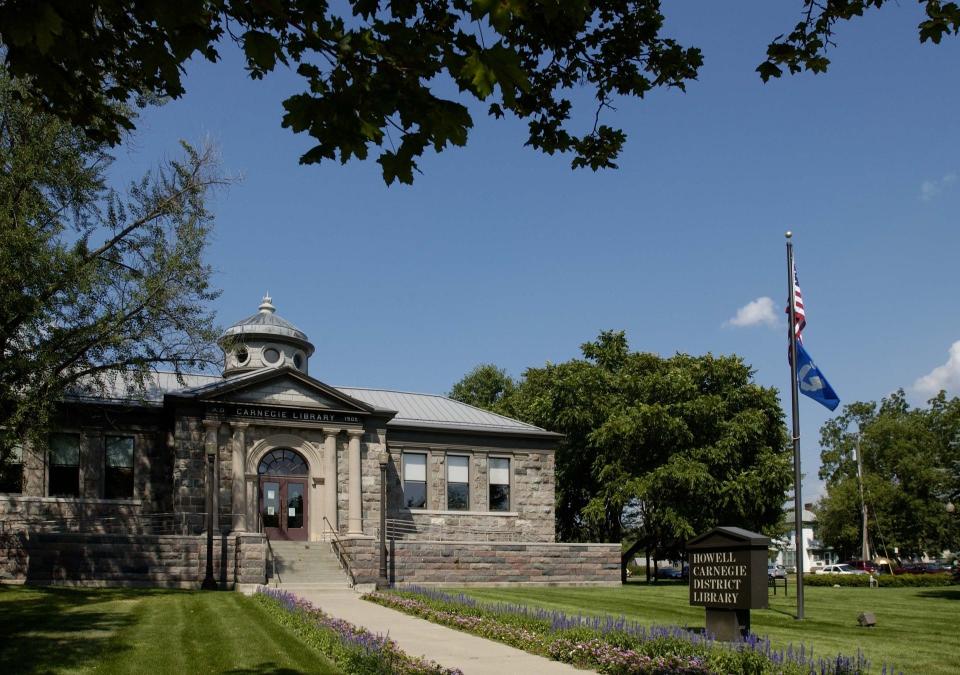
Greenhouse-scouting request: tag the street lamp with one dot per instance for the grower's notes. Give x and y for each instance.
(208, 582)
(383, 581)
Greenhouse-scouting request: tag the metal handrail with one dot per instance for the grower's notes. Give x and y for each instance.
(273, 562)
(400, 529)
(341, 554)
(180, 523)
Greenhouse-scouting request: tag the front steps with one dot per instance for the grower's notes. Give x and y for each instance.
(301, 565)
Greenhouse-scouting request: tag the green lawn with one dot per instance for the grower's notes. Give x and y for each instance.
(916, 627)
(45, 630)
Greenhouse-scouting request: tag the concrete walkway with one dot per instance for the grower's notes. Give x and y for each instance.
(418, 637)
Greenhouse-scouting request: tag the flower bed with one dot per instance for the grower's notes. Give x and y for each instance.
(612, 644)
(355, 650)
(883, 580)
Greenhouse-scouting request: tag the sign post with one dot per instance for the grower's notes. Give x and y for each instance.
(728, 577)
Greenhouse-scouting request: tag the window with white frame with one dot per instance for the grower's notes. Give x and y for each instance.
(11, 470)
(458, 483)
(118, 473)
(64, 465)
(499, 476)
(414, 480)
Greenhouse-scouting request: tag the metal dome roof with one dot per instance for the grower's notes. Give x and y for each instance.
(267, 324)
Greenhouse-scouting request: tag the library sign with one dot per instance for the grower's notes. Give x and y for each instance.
(720, 579)
(728, 577)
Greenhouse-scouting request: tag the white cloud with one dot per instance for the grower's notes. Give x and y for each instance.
(755, 313)
(932, 188)
(946, 376)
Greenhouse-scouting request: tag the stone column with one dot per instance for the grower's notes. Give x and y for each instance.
(330, 476)
(356, 506)
(212, 481)
(252, 487)
(238, 484)
(92, 464)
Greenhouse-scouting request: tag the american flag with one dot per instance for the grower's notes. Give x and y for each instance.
(801, 316)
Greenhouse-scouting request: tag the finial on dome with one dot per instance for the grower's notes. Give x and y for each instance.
(267, 306)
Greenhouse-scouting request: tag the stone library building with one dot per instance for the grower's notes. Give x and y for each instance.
(293, 472)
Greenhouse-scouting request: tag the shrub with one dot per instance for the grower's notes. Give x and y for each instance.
(354, 650)
(611, 644)
(883, 580)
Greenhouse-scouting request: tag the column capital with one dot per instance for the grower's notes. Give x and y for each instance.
(355, 433)
(331, 431)
(212, 424)
(239, 425)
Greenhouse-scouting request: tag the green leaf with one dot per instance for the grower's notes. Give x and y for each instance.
(262, 50)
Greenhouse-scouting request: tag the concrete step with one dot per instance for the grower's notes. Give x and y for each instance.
(306, 565)
(309, 586)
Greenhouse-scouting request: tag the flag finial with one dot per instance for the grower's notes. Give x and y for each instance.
(788, 234)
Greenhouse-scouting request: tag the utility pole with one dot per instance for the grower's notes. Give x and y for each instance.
(865, 547)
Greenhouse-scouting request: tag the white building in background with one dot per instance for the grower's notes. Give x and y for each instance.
(815, 553)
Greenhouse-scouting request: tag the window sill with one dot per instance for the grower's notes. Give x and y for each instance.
(439, 512)
(69, 500)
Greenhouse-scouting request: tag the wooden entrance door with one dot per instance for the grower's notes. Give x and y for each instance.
(283, 507)
(283, 495)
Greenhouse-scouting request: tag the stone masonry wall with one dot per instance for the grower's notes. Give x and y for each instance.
(484, 563)
(19, 512)
(129, 560)
(151, 479)
(189, 494)
(532, 494)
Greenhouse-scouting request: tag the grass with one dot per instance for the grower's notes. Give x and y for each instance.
(44, 630)
(916, 627)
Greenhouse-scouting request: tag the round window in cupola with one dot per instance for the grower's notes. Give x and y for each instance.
(271, 356)
(242, 355)
(298, 361)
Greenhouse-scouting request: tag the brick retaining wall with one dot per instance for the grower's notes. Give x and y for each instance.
(130, 560)
(487, 563)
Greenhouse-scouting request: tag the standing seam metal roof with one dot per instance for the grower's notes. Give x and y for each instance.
(430, 410)
(435, 409)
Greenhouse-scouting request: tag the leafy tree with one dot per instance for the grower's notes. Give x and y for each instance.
(910, 458)
(805, 47)
(483, 387)
(372, 70)
(658, 449)
(94, 285)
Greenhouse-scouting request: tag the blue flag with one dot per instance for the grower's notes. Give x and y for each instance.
(812, 382)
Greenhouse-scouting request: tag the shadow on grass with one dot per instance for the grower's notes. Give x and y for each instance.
(39, 632)
(942, 593)
(265, 668)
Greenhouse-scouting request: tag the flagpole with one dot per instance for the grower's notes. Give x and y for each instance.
(794, 394)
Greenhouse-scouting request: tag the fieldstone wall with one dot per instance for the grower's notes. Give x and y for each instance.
(129, 560)
(486, 563)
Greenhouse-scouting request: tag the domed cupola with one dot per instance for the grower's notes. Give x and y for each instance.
(264, 340)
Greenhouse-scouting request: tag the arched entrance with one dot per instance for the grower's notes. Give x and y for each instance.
(283, 494)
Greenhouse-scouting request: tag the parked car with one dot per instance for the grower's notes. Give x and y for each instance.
(776, 571)
(672, 572)
(867, 566)
(838, 569)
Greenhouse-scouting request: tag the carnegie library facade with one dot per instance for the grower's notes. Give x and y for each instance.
(294, 471)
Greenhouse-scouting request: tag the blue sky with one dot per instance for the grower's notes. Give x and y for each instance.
(500, 254)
